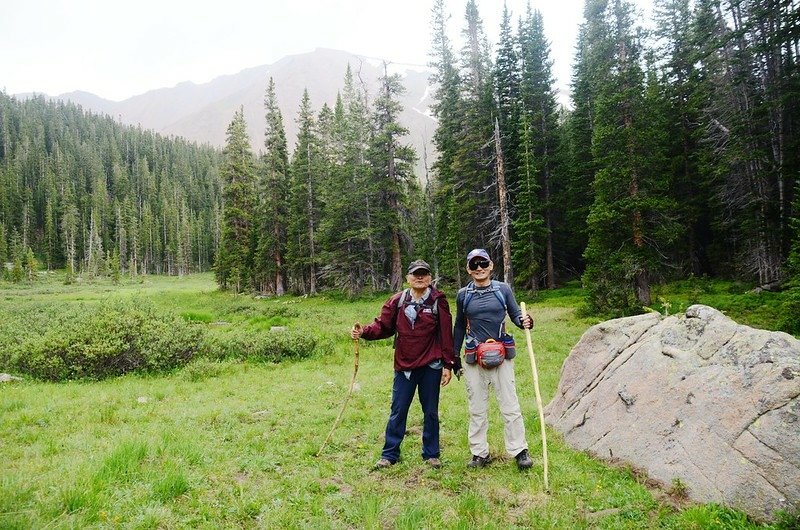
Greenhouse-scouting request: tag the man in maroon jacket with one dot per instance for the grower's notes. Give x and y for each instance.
(420, 319)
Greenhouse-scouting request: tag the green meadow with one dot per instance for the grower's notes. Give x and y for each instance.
(227, 443)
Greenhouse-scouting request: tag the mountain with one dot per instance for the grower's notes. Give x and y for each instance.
(202, 112)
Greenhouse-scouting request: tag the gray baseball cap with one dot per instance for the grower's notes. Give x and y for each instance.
(477, 253)
(418, 265)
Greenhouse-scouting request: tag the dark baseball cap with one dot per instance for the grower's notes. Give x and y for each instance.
(478, 253)
(418, 265)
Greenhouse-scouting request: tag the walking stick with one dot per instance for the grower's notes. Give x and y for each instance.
(538, 399)
(344, 405)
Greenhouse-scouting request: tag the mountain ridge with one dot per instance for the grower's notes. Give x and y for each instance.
(201, 112)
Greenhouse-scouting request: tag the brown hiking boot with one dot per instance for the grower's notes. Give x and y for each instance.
(383, 464)
(434, 462)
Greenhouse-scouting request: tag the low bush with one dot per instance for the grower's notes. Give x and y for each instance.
(258, 345)
(790, 320)
(111, 339)
(202, 368)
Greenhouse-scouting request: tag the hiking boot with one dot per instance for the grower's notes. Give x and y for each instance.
(524, 460)
(479, 461)
(383, 464)
(434, 462)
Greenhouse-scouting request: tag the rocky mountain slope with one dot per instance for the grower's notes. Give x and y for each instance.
(202, 112)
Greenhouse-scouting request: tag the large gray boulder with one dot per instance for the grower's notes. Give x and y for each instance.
(697, 398)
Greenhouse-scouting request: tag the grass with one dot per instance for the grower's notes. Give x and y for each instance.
(233, 445)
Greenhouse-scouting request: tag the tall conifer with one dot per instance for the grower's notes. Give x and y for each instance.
(392, 163)
(303, 250)
(534, 222)
(447, 192)
(350, 229)
(273, 206)
(627, 223)
(234, 261)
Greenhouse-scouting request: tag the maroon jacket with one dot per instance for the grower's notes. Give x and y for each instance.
(427, 342)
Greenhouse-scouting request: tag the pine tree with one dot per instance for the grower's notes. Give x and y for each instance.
(120, 233)
(50, 234)
(17, 273)
(392, 163)
(3, 247)
(31, 265)
(538, 131)
(273, 207)
(134, 243)
(114, 266)
(679, 80)
(447, 192)
(422, 230)
(349, 228)
(302, 249)
(479, 214)
(628, 222)
(94, 261)
(507, 86)
(592, 61)
(744, 143)
(507, 145)
(234, 262)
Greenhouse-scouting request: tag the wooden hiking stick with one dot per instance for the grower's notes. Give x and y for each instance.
(344, 405)
(538, 399)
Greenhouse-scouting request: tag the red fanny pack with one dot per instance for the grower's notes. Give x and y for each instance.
(490, 354)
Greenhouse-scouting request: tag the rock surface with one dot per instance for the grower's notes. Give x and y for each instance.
(700, 399)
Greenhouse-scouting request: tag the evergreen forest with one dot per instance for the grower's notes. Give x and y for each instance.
(678, 157)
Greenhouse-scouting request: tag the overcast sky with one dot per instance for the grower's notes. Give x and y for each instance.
(120, 49)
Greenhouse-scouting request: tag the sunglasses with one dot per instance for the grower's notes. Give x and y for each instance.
(420, 273)
(482, 263)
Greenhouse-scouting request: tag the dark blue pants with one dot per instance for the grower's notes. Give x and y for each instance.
(425, 381)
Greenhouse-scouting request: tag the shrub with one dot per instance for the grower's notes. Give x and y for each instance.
(202, 368)
(104, 341)
(270, 346)
(790, 322)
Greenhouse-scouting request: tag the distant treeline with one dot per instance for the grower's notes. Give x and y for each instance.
(680, 156)
(83, 192)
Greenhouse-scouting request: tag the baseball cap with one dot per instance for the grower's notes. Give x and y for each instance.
(417, 265)
(478, 253)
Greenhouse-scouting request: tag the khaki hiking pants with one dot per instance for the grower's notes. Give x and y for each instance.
(502, 379)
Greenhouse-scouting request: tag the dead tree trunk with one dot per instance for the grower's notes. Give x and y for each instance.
(502, 195)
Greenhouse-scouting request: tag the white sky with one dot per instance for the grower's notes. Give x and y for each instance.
(118, 49)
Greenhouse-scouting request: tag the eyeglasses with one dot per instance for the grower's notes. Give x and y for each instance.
(482, 263)
(420, 273)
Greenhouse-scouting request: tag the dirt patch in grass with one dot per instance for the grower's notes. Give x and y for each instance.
(662, 493)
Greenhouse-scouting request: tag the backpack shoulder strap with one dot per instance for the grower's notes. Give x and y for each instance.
(402, 298)
(469, 292)
(498, 292)
(400, 301)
